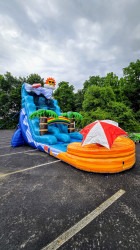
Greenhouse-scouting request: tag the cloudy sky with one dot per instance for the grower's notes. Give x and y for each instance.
(69, 40)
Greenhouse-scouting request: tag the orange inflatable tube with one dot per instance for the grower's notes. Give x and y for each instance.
(95, 158)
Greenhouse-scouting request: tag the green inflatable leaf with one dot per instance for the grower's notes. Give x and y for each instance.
(43, 112)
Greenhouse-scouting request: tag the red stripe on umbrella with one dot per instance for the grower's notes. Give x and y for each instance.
(103, 132)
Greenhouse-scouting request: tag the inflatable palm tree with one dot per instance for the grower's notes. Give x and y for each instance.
(43, 116)
(73, 116)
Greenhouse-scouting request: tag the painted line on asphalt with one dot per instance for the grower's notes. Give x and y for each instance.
(21, 152)
(58, 242)
(27, 169)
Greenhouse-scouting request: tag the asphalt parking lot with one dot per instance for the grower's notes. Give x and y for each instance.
(47, 204)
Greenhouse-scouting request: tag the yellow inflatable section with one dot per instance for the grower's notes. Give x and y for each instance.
(95, 158)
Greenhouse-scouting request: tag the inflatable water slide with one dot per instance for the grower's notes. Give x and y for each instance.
(42, 125)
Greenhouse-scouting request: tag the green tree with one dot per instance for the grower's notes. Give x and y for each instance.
(7, 82)
(93, 81)
(9, 100)
(132, 84)
(116, 84)
(34, 78)
(15, 98)
(65, 96)
(96, 96)
(124, 116)
(111, 80)
(4, 105)
(91, 116)
(78, 97)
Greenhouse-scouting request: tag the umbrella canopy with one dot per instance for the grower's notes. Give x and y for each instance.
(103, 132)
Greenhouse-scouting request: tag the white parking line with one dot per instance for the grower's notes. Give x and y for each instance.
(19, 152)
(84, 222)
(27, 169)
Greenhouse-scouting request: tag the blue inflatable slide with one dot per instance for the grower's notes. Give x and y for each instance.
(57, 137)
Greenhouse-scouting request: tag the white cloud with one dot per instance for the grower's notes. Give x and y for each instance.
(8, 28)
(68, 40)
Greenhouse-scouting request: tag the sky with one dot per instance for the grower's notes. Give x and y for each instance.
(69, 40)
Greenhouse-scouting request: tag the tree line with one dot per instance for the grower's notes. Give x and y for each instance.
(108, 97)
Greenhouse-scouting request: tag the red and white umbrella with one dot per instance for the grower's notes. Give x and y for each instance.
(102, 132)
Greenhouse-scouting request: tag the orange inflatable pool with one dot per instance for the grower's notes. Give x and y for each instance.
(95, 158)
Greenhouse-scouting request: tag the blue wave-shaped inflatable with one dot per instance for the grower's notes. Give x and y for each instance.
(28, 132)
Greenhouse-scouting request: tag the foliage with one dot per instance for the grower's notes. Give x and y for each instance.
(132, 84)
(96, 96)
(64, 94)
(90, 116)
(78, 100)
(137, 115)
(124, 116)
(43, 113)
(10, 98)
(34, 78)
(93, 81)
